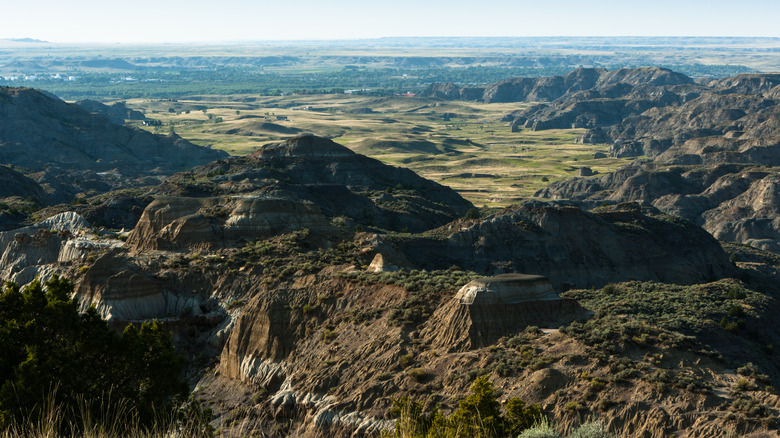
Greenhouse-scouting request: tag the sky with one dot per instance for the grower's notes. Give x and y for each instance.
(159, 21)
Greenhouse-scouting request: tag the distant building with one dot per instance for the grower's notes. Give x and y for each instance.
(282, 118)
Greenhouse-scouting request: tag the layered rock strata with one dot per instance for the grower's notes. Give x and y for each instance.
(487, 309)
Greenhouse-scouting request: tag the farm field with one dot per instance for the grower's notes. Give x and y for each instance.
(464, 145)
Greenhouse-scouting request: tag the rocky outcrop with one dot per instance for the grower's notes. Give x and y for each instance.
(487, 309)
(123, 291)
(34, 251)
(382, 263)
(574, 248)
(751, 217)
(305, 368)
(734, 202)
(446, 91)
(117, 113)
(709, 115)
(181, 223)
(643, 76)
(541, 89)
(706, 143)
(346, 187)
(115, 212)
(647, 111)
(749, 83)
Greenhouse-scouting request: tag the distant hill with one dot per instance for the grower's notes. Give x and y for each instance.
(547, 89)
(42, 133)
(25, 40)
(714, 146)
(38, 131)
(119, 64)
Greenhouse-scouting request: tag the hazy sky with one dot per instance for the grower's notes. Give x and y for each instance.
(242, 20)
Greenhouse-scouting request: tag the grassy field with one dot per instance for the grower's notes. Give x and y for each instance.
(464, 145)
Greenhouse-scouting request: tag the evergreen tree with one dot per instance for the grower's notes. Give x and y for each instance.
(50, 349)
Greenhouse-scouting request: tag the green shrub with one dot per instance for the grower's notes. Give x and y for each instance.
(749, 407)
(610, 289)
(736, 310)
(750, 369)
(543, 429)
(604, 404)
(591, 429)
(327, 336)
(412, 421)
(472, 213)
(744, 385)
(478, 415)
(418, 374)
(737, 293)
(597, 385)
(406, 360)
(520, 417)
(261, 395)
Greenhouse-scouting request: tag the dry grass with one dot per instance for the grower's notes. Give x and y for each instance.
(114, 419)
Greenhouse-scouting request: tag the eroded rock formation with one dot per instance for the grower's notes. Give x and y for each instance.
(487, 309)
(180, 223)
(304, 182)
(34, 251)
(575, 248)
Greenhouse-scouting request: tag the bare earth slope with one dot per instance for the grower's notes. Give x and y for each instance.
(40, 132)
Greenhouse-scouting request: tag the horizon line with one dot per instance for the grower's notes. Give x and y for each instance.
(35, 41)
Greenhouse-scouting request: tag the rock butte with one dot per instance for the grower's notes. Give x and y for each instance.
(506, 289)
(486, 309)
